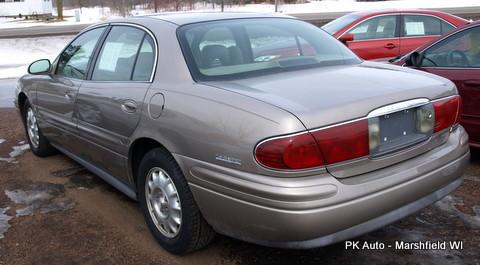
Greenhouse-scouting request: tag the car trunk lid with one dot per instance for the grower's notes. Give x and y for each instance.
(327, 96)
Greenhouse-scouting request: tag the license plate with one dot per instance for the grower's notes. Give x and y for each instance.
(395, 131)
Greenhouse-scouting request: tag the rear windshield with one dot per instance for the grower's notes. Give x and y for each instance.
(240, 48)
(335, 25)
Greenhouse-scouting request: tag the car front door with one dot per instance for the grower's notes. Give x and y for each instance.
(109, 103)
(458, 59)
(57, 95)
(417, 29)
(376, 38)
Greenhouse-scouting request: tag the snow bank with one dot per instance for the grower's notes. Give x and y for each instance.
(17, 54)
(327, 6)
(351, 5)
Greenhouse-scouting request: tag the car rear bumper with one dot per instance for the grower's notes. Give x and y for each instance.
(319, 210)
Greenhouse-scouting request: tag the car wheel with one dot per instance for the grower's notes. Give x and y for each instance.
(39, 145)
(170, 211)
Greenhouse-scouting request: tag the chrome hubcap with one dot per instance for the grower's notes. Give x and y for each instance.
(32, 128)
(163, 202)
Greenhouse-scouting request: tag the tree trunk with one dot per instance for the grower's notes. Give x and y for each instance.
(59, 9)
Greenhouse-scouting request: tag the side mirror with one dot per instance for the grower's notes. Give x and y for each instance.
(39, 67)
(346, 38)
(414, 59)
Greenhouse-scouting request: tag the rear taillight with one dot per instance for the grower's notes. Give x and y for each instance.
(447, 113)
(347, 141)
(306, 150)
(296, 151)
(343, 142)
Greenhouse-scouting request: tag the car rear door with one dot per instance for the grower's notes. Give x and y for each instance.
(376, 38)
(458, 59)
(56, 96)
(110, 102)
(468, 84)
(418, 29)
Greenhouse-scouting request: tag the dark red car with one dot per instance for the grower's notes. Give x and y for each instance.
(455, 56)
(387, 34)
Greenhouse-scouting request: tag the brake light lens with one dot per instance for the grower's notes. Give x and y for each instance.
(297, 151)
(312, 149)
(343, 142)
(347, 141)
(447, 113)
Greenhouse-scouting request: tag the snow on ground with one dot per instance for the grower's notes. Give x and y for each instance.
(96, 14)
(22, 23)
(327, 6)
(17, 54)
(351, 5)
(87, 16)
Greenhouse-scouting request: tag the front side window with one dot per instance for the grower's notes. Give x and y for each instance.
(118, 56)
(73, 61)
(241, 48)
(461, 50)
(381, 27)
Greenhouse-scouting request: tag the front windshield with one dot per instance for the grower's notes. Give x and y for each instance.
(335, 25)
(239, 48)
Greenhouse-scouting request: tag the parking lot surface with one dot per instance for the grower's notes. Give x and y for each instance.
(7, 92)
(52, 211)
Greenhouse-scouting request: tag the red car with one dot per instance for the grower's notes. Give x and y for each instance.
(455, 56)
(387, 34)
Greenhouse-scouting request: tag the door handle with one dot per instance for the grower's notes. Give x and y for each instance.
(474, 83)
(129, 106)
(390, 46)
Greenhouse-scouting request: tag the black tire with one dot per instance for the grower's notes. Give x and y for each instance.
(194, 232)
(43, 148)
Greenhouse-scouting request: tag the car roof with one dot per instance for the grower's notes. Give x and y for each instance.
(182, 18)
(394, 11)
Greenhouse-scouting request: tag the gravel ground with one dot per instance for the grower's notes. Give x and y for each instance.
(52, 211)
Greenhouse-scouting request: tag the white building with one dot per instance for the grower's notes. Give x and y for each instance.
(25, 7)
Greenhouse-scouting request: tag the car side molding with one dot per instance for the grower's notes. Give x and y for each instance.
(115, 182)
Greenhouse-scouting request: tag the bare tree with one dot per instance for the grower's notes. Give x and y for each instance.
(59, 4)
(177, 4)
(81, 4)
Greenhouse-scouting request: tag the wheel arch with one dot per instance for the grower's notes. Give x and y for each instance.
(137, 151)
(21, 99)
